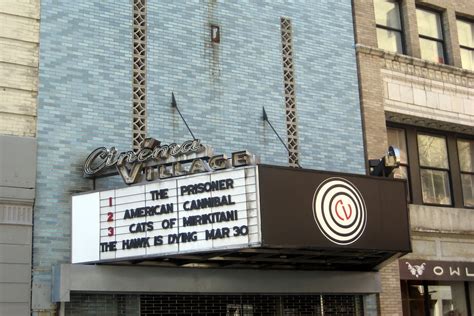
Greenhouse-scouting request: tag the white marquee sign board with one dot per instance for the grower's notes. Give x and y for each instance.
(198, 213)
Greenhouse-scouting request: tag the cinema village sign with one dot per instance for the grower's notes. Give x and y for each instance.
(158, 161)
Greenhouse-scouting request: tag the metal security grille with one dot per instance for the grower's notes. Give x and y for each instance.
(139, 73)
(250, 305)
(290, 94)
(92, 304)
(228, 305)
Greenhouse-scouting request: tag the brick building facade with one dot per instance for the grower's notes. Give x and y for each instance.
(19, 37)
(411, 97)
(107, 72)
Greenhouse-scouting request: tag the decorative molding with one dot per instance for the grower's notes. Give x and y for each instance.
(411, 105)
(290, 92)
(139, 73)
(419, 77)
(428, 123)
(16, 214)
(420, 68)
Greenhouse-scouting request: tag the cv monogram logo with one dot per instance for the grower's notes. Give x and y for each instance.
(339, 211)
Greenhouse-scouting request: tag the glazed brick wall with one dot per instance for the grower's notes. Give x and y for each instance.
(84, 103)
(85, 93)
(221, 88)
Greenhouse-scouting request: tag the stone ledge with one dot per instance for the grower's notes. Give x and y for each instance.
(420, 67)
(436, 219)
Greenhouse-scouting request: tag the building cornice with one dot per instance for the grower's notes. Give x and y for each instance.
(419, 67)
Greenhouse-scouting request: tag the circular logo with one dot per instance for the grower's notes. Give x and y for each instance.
(339, 210)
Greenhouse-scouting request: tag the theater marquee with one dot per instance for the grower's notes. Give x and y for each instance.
(197, 213)
(333, 220)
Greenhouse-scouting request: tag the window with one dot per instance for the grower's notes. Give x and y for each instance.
(466, 162)
(466, 41)
(396, 137)
(439, 166)
(389, 25)
(434, 298)
(434, 169)
(431, 35)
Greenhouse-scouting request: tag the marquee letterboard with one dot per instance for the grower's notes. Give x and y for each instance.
(197, 213)
(262, 207)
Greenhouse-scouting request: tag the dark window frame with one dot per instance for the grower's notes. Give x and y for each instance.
(447, 170)
(466, 21)
(407, 164)
(434, 39)
(392, 29)
(464, 172)
(471, 49)
(414, 173)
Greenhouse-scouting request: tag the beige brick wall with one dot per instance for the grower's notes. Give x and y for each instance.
(409, 90)
(390, 297)
(365, 22)
(19, 37)
(372, 97)
(371, 92)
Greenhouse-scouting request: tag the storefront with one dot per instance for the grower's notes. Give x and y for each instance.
(228, 236)
(437, 287)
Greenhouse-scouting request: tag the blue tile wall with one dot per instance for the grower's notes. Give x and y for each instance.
(85, 92)
(221, 88)
(83, 103)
